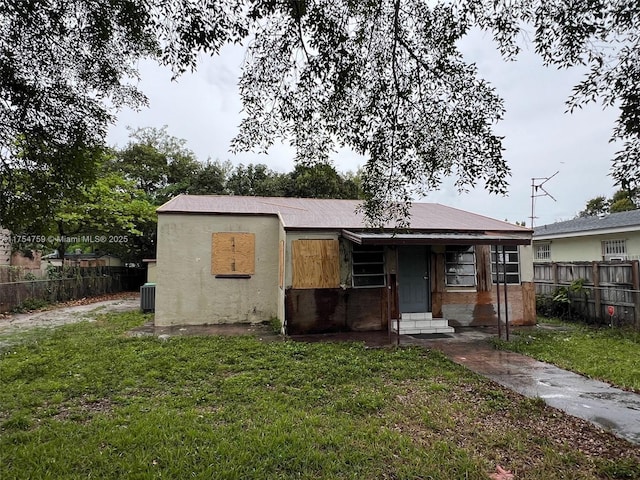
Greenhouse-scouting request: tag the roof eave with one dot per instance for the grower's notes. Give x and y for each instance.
(586, 233)
(446, 238)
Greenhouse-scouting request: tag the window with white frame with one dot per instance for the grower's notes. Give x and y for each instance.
(542, 251)
(367, 264)
(614, 250)
(508, 264)
(460, 266)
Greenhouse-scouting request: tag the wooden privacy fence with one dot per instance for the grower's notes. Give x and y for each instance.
(598, 287)
(75, 284)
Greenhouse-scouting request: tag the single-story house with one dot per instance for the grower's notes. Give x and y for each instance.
(314, 265)
(611, 237)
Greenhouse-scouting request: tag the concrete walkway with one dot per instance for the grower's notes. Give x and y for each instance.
(612, 409)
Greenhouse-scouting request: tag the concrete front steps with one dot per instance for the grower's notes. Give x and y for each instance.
(416, 323)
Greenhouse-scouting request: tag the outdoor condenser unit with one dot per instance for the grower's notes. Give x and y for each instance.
(148, 297)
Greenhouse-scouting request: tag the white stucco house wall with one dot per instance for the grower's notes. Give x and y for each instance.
(611, 237)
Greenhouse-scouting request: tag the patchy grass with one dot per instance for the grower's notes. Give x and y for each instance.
(608, 354)
(85, 400)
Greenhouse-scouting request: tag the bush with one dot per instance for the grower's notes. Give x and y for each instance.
(558, 303)
(30, 304)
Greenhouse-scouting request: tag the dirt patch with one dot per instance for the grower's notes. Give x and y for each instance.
(84, 410)
(259, 330)
(70, 312)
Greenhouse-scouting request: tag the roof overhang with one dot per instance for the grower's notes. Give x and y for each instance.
(438, 238)
(541, 235)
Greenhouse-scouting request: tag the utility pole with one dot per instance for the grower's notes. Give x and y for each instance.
(534, 192)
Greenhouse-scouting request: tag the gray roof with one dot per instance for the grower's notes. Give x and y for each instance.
(591, 225)
(308, 213)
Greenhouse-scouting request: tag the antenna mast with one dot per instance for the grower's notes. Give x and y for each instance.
(534, 192)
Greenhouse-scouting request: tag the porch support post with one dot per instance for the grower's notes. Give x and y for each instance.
(506, 302)
(498, 289)
(389, 306)
(399, 312)
(635, 278)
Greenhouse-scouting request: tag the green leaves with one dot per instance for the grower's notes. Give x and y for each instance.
(61, 68)
(386, 80)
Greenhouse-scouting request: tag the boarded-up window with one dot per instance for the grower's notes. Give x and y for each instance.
(316, 264)
(233, 254)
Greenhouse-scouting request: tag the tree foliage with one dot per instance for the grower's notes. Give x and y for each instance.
(602, 36)
(113, 213)
(159, 164)
(596, 206)
(383, 77)
(621, 201)
(257, 180)
(62, 67)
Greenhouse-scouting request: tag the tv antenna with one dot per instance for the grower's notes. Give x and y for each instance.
(535, 188)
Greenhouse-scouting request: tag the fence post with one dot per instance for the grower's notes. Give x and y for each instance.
(635, 278)
(597, 294)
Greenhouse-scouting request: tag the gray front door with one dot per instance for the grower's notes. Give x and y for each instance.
(413, 275)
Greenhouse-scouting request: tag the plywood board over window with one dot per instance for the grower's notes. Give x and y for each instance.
(233, 254)
(316, 263)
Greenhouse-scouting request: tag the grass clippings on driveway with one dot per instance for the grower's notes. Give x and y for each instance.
(87, 401)
(608, 354)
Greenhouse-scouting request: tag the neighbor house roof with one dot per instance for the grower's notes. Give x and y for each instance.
(321, 214)
(595, 225)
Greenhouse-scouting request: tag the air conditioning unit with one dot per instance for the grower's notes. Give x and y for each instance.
(148, 297)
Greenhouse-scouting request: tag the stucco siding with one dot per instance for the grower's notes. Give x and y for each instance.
(282, 257)
(526, 263)
(187, 293)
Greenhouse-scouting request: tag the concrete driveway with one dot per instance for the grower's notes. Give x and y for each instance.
(612, 409)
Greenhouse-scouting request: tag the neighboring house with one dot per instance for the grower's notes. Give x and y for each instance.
(610, 237)
(312, 264)
(78, 259)
(26, 259)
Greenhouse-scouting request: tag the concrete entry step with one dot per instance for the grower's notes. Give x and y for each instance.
(416, 323)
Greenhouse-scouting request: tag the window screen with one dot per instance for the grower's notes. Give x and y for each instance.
(367, 266)
(460, 266)
(542, 251)
(509, 263)
(614, 249)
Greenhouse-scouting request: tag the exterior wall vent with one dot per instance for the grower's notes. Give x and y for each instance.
(148, 297)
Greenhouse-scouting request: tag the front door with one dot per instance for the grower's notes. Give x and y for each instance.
(413, 277)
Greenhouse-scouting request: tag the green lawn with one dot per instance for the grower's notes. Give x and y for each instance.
(87, 401)
(608, 354)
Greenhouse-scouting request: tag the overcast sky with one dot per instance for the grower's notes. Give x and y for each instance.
(204, 109)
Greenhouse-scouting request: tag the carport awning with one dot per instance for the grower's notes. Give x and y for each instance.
(438, 238)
